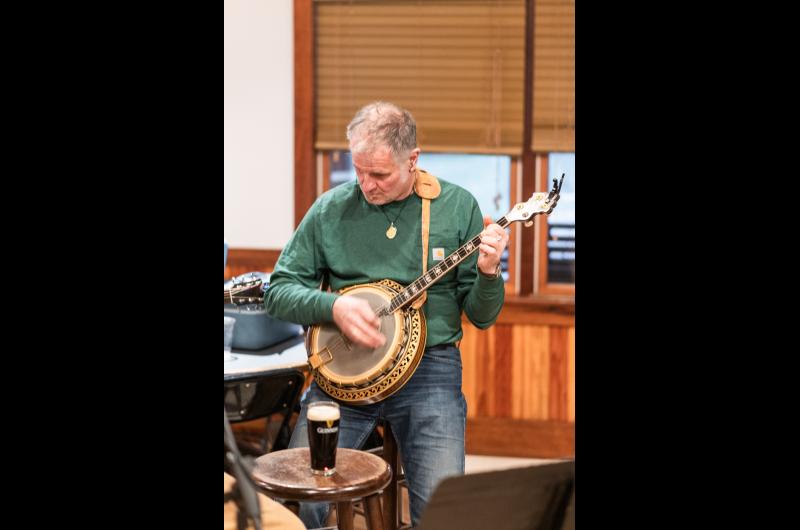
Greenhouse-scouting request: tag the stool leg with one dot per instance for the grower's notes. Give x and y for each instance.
(372, 509)
(344, 515)
(391, 499)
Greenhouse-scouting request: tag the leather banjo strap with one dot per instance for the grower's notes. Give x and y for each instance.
(427, 187)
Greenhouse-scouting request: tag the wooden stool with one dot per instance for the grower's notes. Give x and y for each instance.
(287, 475)
(392, 496)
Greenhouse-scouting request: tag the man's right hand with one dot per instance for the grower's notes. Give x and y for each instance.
(358, 321)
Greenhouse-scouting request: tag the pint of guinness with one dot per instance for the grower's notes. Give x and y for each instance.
(323, 436)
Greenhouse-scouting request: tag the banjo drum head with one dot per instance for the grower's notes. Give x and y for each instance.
(353, 364)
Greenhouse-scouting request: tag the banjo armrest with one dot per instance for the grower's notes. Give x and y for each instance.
(316, 360)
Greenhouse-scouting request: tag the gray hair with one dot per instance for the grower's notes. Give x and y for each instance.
(383, 123)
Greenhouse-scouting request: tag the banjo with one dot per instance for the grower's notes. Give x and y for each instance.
(360, 375)
(245, 291)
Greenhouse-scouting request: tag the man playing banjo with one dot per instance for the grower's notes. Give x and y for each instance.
(375, 229)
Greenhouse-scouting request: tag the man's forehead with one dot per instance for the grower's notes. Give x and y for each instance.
(379, 156)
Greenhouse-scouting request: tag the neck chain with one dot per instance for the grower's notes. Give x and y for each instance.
(392, 230)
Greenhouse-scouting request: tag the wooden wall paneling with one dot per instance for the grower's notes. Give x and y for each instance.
(518, 374)
(242, 260)
(553, 311)
(502, 362)
(486, 354)
(571, 375)
(557, 387)
(469, 372)
(531, 385)
(477, 357)
(520, 438)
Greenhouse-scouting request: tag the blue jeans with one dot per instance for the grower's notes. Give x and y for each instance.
(428, 418)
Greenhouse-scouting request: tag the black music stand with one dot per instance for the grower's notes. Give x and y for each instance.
(244, 493)
(539, 497)
(255, 395)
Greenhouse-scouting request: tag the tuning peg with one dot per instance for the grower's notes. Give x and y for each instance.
(528, 223)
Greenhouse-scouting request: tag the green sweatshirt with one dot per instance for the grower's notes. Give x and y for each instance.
(344, 236)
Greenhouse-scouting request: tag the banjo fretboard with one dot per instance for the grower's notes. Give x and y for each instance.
(418, 286)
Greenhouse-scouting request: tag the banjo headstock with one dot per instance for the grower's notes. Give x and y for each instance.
(537, 204)
(245, 291)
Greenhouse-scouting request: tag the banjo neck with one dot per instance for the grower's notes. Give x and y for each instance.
(523, 211)
(418, 286)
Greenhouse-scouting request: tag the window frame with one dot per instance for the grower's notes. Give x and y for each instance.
(527, 248)
(543, 284)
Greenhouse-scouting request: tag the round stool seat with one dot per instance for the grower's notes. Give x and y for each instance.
(287, 475)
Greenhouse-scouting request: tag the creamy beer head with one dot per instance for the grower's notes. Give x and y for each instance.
(324, 412)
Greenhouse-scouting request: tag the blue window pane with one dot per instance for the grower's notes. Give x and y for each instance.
(561, 223)
(486, 177)
(341, 168)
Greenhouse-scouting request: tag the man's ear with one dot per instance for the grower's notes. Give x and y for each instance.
(412, 158)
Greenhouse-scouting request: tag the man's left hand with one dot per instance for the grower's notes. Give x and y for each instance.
(493, 241)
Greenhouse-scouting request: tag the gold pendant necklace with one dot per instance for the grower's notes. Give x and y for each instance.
(391, 232)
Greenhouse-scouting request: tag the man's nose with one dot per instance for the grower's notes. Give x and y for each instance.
(368, 184)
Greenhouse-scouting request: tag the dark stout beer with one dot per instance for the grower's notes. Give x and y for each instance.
(323, 436)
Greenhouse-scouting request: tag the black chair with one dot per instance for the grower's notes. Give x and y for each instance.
(261, 395)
